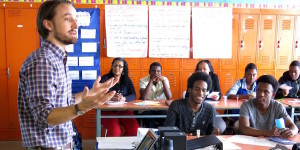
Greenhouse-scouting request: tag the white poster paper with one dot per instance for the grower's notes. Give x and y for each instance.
(72, 61)
(169, 31)
(126, 30)
(89, 47)
(89, 74)
(86, 61)
(70, 48)
(83, 18)
(74, 75)
(88, 33)
(212, 32)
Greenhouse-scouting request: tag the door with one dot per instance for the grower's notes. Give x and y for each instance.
(4, 113)
(266, 43)
(21, 39)
(248, 40)
(285, 38)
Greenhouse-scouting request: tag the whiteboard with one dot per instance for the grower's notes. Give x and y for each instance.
(126, 30)
(169, 31)
(212, 32)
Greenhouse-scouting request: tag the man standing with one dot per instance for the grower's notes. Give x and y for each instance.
(46, 105)
(257, 116)
(155, 87)
(193, 113)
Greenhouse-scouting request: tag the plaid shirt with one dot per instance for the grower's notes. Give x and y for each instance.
(44, 84)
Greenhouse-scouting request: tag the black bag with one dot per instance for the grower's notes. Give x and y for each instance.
(296, 146)
(77, 138)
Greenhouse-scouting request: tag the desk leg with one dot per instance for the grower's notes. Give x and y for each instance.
(293, 113)
(98, 123)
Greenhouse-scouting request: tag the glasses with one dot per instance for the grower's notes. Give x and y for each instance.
(115, 66)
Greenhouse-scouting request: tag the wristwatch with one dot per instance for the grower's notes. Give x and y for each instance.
(78, 111)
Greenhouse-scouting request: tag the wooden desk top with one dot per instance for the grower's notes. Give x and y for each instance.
(248, 146)
(228, 104)
(132, 106)
(293, 102)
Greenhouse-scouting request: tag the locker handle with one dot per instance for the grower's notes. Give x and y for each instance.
(242, 44)
(296, 44)
(278, 44)
(8, 73)
(260, 44)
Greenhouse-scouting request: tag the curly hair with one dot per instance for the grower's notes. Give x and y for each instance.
(268, 79)
(199, 76)
(124, 77)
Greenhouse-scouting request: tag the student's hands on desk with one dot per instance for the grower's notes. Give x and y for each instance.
(284, 133)
(118, 97)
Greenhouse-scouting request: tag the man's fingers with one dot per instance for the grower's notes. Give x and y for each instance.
(105, 98)
(85, 91)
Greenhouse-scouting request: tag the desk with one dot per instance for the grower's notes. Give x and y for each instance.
(293, 105)
(219, 105)
(128, 106)
(242, 146)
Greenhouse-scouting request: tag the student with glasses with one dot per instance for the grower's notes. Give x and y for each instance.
(124, 93)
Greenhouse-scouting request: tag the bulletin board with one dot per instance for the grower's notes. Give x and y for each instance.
(84, 55)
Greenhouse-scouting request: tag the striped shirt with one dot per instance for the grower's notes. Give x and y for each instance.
(181, 115)
(44, 84)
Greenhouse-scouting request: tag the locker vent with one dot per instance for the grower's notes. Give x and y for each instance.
(268, 24)
(14, 13)
(286, 25)
(172, 80)
(228, 80)
(246, 60)
(249, 24)
(134, 79)
(228, 62)
(283, 60)
(265, 60)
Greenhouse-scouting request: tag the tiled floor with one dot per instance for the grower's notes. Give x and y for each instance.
(17, 145)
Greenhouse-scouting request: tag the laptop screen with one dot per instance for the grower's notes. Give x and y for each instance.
(148, 141)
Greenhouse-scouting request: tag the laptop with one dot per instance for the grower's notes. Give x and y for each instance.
(148, 141)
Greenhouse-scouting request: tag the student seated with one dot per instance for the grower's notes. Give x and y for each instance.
(155, 87)
(124, 92)
(194, 113)
(290, 78)
(245, 88)
(257, 116)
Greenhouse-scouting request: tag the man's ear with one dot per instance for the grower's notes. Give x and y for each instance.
(48, 24)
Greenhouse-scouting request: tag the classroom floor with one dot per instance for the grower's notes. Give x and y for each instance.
(17, 145)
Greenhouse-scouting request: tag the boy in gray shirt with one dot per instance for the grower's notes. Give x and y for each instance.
(257, 116)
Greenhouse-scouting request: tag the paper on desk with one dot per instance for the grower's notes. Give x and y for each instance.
(116, 142)
(143, 103)
(210, 95)
(243, 139)
(295, 101)
(285, 87)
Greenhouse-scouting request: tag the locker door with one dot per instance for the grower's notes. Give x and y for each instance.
(174, 79)
(4, 117)
(228, 78)
(190, 64)
(279, 73)
(232, 63)
(135, 78)
(248, 40)
(185, 75)
(285, 41)
(266, 46)
(297, 49)
(133, 63)
(170, 64)
(21, 39)
(265, 72)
